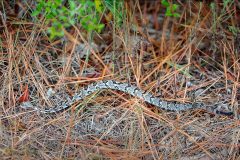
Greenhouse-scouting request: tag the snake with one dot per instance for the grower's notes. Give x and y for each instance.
(134, 91)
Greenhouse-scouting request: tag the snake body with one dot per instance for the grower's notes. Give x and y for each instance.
(132, 90)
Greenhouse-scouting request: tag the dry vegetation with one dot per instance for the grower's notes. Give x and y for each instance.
(194, 57)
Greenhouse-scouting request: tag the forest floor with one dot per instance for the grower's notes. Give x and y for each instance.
(191, 57)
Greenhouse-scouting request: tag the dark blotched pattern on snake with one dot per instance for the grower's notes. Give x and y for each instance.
(134, 91)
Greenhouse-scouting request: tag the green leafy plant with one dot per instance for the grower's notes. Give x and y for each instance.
(170, 9)
(60, 14)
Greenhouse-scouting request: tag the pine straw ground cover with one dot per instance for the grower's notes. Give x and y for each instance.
(194, 57)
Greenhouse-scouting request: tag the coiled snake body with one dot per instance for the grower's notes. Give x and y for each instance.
(134, 91)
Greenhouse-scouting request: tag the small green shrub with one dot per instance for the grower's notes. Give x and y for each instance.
(170, 9)
(60, 14)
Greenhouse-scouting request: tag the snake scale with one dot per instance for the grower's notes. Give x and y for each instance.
(134, 91)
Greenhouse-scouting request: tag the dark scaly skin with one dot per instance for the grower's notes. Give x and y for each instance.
(134, 91)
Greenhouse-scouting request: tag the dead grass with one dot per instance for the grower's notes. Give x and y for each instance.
(194, 57)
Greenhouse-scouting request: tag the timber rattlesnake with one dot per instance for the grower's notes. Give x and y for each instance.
(134, 91)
